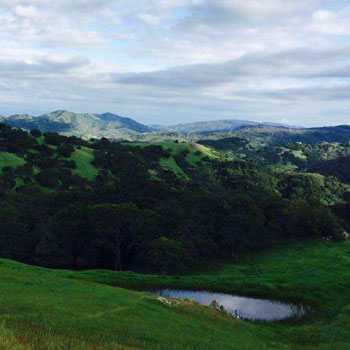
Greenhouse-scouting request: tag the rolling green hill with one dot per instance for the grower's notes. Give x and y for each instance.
(187, 155)
(10, 159)
(83, 158)
(193, 154)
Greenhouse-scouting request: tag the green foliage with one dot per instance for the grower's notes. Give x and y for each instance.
(10, 159)
(36, 133)
(13, 240)
(116, 227)
(118, 206)
(65, 150)
(168, 255)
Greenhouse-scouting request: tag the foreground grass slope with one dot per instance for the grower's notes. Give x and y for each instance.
(41, 309)
(314, 272)
(51, 309)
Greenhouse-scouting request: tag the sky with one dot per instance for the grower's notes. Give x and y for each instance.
(177, 61)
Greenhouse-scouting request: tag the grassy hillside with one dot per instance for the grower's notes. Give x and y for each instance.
(194, 154)
(10, 159)
(315, 272)
(83, 158)
(67, 310)
(40, 309)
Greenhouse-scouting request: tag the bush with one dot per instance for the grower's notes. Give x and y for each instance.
(65, 150)
(52, 138)
(35, 133)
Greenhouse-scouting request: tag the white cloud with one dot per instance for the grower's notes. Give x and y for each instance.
(331, 22)
(185, 59)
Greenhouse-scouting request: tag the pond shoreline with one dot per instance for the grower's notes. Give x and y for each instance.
(248, 308)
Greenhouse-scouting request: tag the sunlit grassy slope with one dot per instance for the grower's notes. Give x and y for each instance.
(10, 159)
(83, 158)
(196, 154)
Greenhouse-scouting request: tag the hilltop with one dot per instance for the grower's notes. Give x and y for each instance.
(87, 125)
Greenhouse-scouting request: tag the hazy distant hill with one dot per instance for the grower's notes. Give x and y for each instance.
(92, 125)
(273, 134)
(86, 125)
(212, 126)
(114, 126)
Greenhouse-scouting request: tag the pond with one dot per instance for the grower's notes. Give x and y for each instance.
(246, 307)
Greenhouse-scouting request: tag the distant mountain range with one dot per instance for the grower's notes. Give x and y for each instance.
(280, 135)
(85, 125)
(225, 125)
(113, 126)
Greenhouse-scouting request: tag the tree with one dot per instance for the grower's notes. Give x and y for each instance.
(52, 138)
(310, 219)
(116, 227)
(35, 133)
(65, 150)
(13, 237)
(167, 255)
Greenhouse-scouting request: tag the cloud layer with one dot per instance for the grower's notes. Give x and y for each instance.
(171, 61)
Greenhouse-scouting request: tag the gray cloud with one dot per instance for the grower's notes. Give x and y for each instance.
(316, 92)
(171, 61)
(40, 68)
(289, 64)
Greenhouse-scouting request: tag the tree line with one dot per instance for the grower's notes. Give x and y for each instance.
(137, 215)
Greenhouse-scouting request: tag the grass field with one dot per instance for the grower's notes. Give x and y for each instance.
(10, 159)
(68, 310)
(196, 153)
(41, 309)
(83, 158)
(170, 163)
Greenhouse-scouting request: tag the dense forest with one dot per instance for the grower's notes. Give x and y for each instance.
(71, 203)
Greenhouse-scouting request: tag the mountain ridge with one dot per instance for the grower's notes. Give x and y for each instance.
(116, 127)
(78, 124)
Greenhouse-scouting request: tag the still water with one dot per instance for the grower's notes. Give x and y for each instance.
(249, 308)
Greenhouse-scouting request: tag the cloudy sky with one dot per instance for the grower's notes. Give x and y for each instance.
(170, 61)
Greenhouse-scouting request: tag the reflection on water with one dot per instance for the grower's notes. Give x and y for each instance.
(250, 308)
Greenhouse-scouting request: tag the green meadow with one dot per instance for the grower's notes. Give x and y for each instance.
(83, 158)
(10, 159)
(58, 309)
(195, 153)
